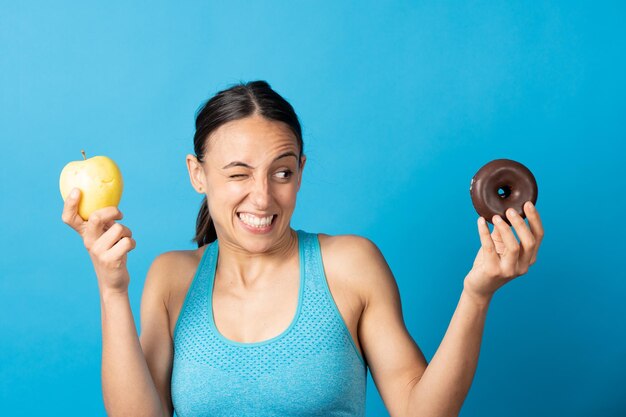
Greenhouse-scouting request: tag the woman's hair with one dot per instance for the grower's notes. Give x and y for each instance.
(237, 102)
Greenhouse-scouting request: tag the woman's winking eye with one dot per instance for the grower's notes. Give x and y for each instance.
(286, 172)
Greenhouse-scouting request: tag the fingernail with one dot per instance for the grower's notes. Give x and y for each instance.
(531, 206)
(511, 212)
(74, 193)
(497, 219)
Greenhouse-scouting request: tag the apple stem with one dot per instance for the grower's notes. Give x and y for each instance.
(84, 156)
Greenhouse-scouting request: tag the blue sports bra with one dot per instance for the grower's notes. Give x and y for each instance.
(313, 368)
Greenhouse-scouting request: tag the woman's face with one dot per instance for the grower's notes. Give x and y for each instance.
(251, 177)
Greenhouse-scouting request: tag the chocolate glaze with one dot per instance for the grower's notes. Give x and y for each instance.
(516, 181)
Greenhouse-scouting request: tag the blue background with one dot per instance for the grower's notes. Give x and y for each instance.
(401, 103)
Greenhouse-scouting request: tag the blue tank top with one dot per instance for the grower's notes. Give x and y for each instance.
(313, 368)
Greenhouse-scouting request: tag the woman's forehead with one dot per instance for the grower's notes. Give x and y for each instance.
(251, 139)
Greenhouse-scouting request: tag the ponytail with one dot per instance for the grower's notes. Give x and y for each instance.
(205, 229)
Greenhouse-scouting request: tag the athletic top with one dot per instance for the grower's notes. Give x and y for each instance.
(313, 368)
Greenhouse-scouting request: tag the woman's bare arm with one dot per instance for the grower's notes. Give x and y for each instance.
(136, 371)
(127, 385)
(444, 385)
(155, 339)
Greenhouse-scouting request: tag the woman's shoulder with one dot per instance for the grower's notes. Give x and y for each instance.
(174, 260)
(174, 269)
(351, 260)
(177, 256)
(347, 247)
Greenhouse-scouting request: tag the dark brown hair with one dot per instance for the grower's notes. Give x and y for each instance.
(237, 102)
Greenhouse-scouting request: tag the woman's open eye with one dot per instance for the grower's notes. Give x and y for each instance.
(285, 174)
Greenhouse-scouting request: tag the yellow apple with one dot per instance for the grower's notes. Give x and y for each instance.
(99, 180)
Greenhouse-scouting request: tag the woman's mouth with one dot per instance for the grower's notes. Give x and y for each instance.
(255, 223)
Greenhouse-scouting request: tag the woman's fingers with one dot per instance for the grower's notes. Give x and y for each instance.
(115, 243)
(122, 247)
(113, 235)
(489, 248)
(526, 238)
(510, 256)
(535, 226)
(99, 222)
(70, 214)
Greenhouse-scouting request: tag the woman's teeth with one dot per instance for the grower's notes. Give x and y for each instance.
(254, 221)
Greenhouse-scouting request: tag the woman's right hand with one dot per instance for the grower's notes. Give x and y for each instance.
(107, 242)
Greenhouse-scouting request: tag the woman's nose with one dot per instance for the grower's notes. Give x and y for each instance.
(261, 193)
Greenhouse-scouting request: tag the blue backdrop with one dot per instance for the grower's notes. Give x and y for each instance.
(400, 102)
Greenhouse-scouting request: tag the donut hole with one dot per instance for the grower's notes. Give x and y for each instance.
(504, 191)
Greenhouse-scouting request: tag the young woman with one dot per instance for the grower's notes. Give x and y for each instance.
(265, 320)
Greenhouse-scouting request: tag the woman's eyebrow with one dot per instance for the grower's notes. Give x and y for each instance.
(243, 164)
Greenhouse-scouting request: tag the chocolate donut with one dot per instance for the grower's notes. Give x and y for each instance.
(500, 184)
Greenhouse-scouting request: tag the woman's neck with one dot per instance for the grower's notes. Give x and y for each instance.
(246, 269)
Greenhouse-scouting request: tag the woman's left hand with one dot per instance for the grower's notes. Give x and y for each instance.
(501, 257)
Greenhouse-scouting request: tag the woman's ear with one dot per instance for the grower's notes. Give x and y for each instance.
(196, 174)
(302, 162)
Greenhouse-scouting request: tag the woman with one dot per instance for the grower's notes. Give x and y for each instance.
(265, 320)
